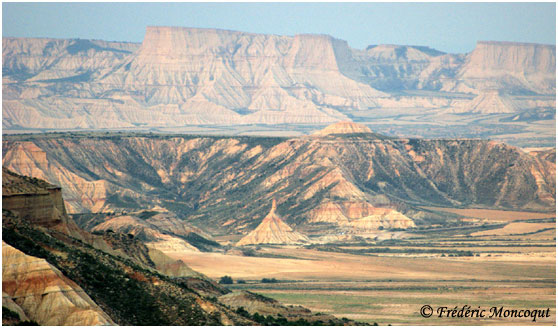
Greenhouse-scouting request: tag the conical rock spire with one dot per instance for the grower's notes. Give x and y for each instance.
(272, 230)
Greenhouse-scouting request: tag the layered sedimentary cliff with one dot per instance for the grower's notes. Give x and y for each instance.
(183, 76)
(38, 202)
(41, 205)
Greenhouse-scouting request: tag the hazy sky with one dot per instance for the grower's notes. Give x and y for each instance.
(450, 27)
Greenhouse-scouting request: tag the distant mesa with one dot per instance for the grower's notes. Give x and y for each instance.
(343, 128)
(193, 76)
(273, 230)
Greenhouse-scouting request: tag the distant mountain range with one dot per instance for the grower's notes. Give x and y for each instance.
(190, 76)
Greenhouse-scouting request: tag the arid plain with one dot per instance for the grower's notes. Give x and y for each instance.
(513, 268)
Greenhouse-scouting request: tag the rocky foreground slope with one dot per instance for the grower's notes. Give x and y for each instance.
(45, 294)
(52, 278)
(184, 76)
(335, 182)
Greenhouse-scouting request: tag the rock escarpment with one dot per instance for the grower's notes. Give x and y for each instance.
(516, 66)
(343, 128)
(38, 202)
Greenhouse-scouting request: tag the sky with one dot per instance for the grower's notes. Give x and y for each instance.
(449, 27)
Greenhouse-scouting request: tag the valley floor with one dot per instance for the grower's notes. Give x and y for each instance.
(388, 282)
(391, 289)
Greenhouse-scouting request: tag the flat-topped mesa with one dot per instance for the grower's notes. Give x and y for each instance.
(343, 128)
(301, 51)
(272, 230)
(316, 51)
(163, 40)
(513, 57)
(528, 67)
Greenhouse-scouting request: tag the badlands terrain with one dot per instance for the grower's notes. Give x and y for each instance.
(319, 184)
(54, 273)
(344, 222)
(329, 183)
(214, 81)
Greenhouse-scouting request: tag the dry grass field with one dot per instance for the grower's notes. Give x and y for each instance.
(401, 306)
(391, 290)
(494, 215)
(387, 282)
(318, 265)
(516, 228)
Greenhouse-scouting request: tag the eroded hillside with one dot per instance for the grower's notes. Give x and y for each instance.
(347, 182)
(54, 273)
(62, 275)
